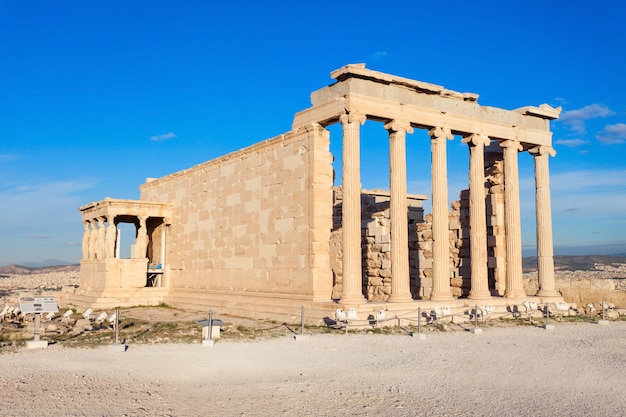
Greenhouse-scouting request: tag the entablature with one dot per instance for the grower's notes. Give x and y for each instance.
(384, 97)
(110, 207)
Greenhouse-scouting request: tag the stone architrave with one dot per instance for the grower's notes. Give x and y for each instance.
(441, 241)
(400, 281)
(543, 210)
(514, 281)
(85, 241)
(478, 221)
(111, 238)
(100, 238)
(141, 244)
(352, 292)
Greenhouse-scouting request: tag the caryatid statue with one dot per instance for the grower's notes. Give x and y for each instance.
(111, 238)
(141, 245)
(93, 237)
(85, 243)
(100, 238)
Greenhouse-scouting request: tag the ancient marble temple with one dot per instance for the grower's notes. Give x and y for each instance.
(250, 232)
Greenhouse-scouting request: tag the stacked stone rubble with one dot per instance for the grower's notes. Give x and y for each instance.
(496, 237)
(376, 244)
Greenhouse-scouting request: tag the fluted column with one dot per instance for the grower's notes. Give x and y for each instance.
(441, 237)
(351, 209)
(543, 209)
(400, 281)
(478, 221)
(512, 222)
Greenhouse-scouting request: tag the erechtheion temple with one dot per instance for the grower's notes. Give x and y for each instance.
(264, 230)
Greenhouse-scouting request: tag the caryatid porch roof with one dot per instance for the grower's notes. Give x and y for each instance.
(124, 209)
(386, 97)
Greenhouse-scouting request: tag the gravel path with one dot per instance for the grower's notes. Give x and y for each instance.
(577, 369)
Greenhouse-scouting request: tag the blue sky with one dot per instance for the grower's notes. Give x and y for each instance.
(98, 95)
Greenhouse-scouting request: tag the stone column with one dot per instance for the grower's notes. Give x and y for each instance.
(400, 281)
(478, 218)
(352, 292)
(512, 222)
(441, 236)
(543, 209)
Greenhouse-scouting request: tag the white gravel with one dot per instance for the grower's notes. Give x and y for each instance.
(576, 370)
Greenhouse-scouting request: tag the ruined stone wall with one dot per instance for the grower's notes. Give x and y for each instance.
(376, 243)
(376, 240)
(256, 220)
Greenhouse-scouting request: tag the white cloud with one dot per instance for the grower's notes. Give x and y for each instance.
(572, 143)
(378, 55)
(585, 182)
(613, 134)
(576, 119)
(162, 137)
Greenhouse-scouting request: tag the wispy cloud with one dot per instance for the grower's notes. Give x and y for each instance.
(576, 119)
(378, 55)
(29, 206)
(38, 217)
(162, 137)
(36, 236)
(572, 143)
(601, 180)
(613, 134)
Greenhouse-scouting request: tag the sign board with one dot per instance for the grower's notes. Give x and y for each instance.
(38, 305)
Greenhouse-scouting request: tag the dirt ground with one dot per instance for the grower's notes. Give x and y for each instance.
(576, 369)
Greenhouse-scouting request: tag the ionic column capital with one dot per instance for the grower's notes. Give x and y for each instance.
(542, 150)
(511, 144)
(476, 139)
(352, 117)
(399, 126)
(440, 133)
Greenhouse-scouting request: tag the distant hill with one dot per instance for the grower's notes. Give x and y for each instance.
(575, 263)
(529, 264)
(26, 270)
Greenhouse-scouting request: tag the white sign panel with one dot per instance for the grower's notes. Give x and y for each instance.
(38, 305)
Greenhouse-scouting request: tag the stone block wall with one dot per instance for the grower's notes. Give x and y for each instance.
(255, 220)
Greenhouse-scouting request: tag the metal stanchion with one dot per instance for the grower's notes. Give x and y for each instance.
(476, 329)
(420, 335)
(117, 346)
(604, 321)
(548, 326)
(303, 336)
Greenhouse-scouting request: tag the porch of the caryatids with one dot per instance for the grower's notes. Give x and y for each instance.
(400, 281)
(352, 287)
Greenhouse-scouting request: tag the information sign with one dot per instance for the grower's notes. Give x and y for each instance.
(38, 305)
